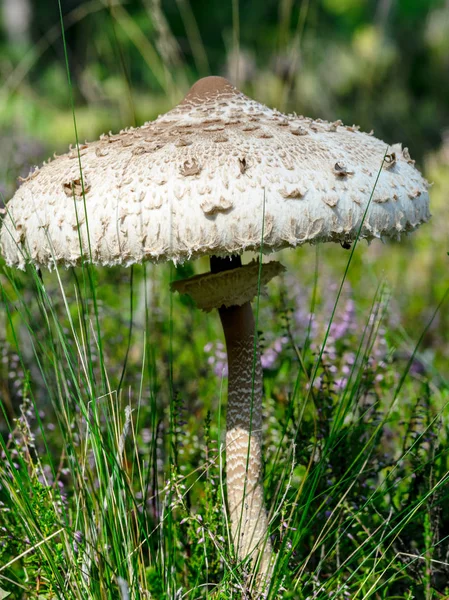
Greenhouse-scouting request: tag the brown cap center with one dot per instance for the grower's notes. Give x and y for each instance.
(208, 88)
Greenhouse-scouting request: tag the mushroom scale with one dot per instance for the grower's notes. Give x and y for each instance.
(198, 179)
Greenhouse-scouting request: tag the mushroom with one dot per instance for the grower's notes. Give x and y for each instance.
(217, 175)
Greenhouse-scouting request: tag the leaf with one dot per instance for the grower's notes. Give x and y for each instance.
(4, 593)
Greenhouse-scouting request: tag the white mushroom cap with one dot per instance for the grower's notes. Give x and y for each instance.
(201, 178)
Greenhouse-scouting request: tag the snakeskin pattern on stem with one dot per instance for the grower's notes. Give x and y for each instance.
(249, 521)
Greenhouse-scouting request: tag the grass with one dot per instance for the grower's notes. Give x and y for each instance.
(111, 482)
(112, 494)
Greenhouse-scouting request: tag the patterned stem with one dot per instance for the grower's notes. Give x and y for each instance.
(249, 523)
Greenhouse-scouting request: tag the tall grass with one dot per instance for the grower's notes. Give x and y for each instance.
(107, 493)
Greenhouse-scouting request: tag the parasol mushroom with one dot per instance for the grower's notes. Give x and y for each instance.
(217, 175)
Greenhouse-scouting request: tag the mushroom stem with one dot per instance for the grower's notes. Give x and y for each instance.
(249, 523)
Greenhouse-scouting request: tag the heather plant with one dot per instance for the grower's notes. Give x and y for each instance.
(134, 495)
(31, 500)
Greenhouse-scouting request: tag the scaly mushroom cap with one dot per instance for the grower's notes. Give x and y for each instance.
(201, 179)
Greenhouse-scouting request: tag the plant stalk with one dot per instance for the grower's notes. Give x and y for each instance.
(249, 523)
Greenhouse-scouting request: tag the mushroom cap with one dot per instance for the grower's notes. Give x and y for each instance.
(218, 174)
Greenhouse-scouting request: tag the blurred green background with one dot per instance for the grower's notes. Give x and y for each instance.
(382, 64)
